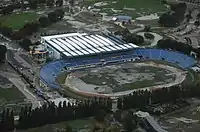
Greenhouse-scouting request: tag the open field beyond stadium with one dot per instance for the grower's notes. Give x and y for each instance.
(10, 95)
(18, 20)
(119, 79)
(75, 124)
(141, 5)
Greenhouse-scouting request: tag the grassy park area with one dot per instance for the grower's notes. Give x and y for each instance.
(18, 20)
(75, 124)
(9, 95)
(138, 5)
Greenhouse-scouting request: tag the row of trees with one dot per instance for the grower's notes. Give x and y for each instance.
(135, 38)
(178, 46)
(32, 4)
(141, 99)
(149, 36)
(130, 37)
(3, 51)
(173, 17)
(50, 114)
(7, 121)
(174, 45)
(32, 27)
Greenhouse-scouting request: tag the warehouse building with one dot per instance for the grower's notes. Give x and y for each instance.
(82, 44)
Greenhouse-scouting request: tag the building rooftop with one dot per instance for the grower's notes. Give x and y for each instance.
(80, 44)
(154, 124)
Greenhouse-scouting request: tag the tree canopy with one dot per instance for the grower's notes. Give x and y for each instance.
(174, 17)
(174, 45)
(3, 51)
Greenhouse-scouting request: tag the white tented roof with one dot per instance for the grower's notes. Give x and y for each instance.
(56, 101)
(79, 44)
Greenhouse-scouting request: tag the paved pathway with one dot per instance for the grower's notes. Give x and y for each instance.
(22, 87)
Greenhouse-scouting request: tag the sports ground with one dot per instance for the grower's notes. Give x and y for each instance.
(10, 95)
(119, 74)
(129, 7)
(18, 20)
(115, 79)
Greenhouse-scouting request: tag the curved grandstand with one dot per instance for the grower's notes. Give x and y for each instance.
(50, 71)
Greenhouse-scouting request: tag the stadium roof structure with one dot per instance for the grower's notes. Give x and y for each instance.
(80, 44)
(122, 18)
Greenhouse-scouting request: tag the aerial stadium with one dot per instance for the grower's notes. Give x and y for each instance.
(106, 66)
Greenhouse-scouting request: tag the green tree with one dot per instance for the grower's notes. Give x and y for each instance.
(100, 116)
(129, 123)
(50, 3)
(149, 36)
(59, 3)
(68, 128)
(147, 28)
(3, 51)
(44, 21)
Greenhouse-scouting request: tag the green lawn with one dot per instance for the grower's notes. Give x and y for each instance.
(139, 5)
(143, 5)
(191, 78)
(17, 21)
(75, 124)
(161, 75)
(9, 95)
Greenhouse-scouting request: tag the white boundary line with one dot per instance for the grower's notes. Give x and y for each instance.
(180, 77)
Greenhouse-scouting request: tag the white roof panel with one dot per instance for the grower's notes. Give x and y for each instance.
(133, 45)
(74, 44)
(111, 43)
(105, 43)
(67, 54)
(82, 47)
(65, 47)
(79, 52)
(117, 47)
(55, 46)
(66, 43)
(102, 45)
(98, 39)
(124, 47)
(106, 48)
(85, 52)
(47, 38)
(60, 44)
(83, 43)
(113, 39)
(127, 45)
(111, 47)
(90, 44)
(99, 43)
(101, 48)
(78, 47)
(78, 44)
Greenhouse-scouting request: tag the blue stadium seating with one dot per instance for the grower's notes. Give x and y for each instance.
(181, 59)
(49, 72)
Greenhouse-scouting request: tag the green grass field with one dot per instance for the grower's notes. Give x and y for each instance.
(75, 124)
(11, 95)
(139, 5)
(160, 75)
(17, 21)
(118, 82)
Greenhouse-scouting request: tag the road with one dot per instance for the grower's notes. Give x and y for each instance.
(23, 88)
(17, 81)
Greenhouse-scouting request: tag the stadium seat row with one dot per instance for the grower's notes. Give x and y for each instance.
(50, 71)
